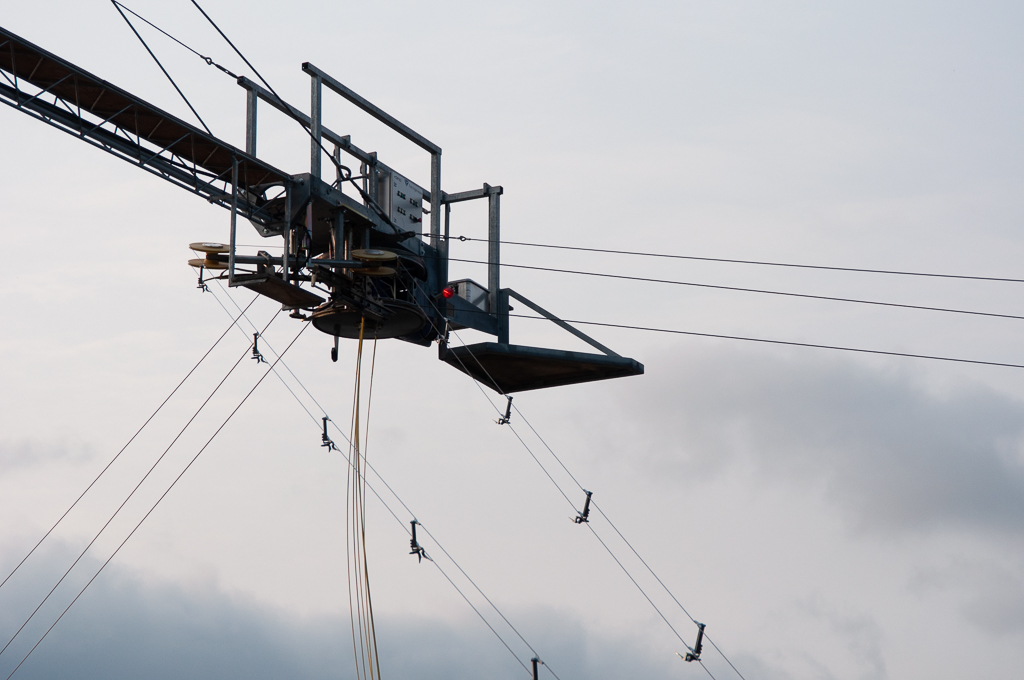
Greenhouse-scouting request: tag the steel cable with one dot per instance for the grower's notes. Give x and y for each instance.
(127, 444)
(118, 6)
(128, 498)
(572, 505)
(789, 343)
(154, 506)
(753, 262)
(806, 296)
(399, 499)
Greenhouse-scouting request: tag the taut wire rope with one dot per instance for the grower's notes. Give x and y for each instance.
(566, 497)
(208, 60)
(422, 526)
(754, 262)
(118, 6)
(129, 497)
(128, 443)
(768, 341)
(624, 540)
(154, 506)
(739, 289)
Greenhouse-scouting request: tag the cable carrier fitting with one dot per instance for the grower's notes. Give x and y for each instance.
(694, 653)
(325, 440)
(583, 515)
(507, 418)
(256, 355)
(417, 549)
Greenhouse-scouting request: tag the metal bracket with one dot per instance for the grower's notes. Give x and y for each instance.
(256, 356)
(694, 653)
(202, 284)
(504, 420)
(582, 517)
(327, 442)
(417, 549)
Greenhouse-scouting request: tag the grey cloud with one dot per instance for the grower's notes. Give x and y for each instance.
(897, 456)
(23, 454)
(990, 594)
(998, 607)
(862, 632)
(127, 627)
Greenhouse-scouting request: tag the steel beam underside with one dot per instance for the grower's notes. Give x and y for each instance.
(518, 368)
(128, 127)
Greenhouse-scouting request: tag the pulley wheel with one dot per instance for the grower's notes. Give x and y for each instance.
(342, 320)
(375, 271)
(208, 264)
(373, 255)
(204, 247)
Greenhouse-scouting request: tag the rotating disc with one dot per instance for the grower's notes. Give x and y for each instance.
(342, 320)
(208, 264)
(373, 255)
(375, 271)
(204, 247)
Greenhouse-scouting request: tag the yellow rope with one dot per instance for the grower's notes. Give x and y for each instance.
(366, 659)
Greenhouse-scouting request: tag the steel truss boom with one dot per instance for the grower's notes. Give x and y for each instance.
(57, 92)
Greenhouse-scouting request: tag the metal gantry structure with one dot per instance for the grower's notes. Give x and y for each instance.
(349, 262)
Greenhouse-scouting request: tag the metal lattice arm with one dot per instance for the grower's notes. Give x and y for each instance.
(57, 92)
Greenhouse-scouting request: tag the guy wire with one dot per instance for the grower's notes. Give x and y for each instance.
(137, 432)
(128, 498)
(739, 289)
(396, 496)
(754, 262)
(118, 6)
(162, 496)
(406, 507)
(568, 500)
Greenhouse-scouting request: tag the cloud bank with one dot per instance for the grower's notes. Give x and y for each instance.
(894, 455)
(125, 626)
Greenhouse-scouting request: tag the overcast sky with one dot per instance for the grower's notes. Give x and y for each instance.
(826, 514)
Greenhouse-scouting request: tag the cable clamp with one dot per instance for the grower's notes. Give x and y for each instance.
(417, 549)
(256, 356)
(504, 420)
(202, 284)
(694, 653)
(582, 517)
(325, 439)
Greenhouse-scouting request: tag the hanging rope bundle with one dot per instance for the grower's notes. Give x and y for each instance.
(364, 635)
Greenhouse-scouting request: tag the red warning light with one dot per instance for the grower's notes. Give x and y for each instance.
(448, 292)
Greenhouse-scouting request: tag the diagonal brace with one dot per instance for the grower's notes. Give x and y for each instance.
(551, 317)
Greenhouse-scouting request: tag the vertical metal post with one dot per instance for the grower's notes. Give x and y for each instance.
(315, 110)
(493, 250)
(338, 240)
(234, 220)
(307, 236)
(444, 245)
(373, 179)
(287, 228)
(435, 200)
(503, 317)
(251, 98)
(535, 661)
(337, 165)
